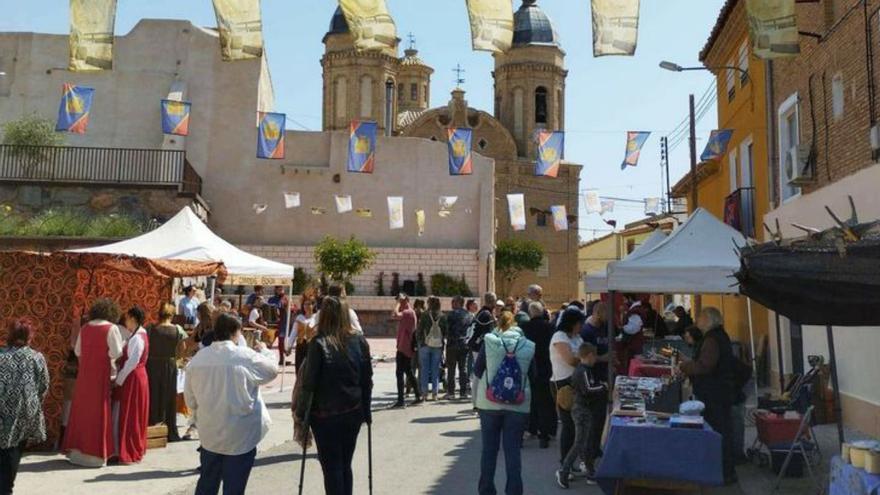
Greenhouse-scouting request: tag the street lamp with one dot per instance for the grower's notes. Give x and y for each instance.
(672, 66)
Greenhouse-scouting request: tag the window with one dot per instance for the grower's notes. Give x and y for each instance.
(541, 219)
(541, 105)
(733, 170)
(366, 97)
(731, 81)
(518, 112)
(744, 63)
(340, 100)
(424, 93)
(482, 143)
(837, 96)
(746, 164)
(630, 245)
(746, 182)
(414, 92)
(789, 139)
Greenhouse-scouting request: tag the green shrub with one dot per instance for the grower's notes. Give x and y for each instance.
(113, 226)
(10, 222)
(52, 222)
(349, 288)
(443, 285)
(301, 281)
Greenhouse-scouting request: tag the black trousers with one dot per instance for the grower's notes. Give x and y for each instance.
(9, 460)
(456, 357)
(336, 439)
(719, 417)
(566, 433)
(542, 418)
(403, 369)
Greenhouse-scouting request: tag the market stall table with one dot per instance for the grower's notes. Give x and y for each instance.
(639, 366)
(658, 454)
(849, 480)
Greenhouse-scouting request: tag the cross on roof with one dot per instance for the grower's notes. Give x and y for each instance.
(412, 40)
(458, 72)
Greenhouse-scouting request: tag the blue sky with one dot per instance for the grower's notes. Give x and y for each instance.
(605, 96)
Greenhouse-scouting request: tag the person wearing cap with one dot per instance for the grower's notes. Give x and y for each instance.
(406, 326)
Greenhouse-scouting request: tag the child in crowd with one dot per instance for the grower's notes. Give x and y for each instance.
(590, 396)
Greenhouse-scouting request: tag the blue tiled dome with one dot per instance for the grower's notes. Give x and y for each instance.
(338, 24)
(531, 26)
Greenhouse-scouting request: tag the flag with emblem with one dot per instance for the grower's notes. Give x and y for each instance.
(460, 158)
(716, 147)
(560, 217)
(491, 24)
(362, 147)
(270, 135)
(73, 114)
(550, 149)
(175, 117)
(634, 142)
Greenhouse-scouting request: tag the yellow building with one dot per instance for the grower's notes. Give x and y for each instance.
(735, 187)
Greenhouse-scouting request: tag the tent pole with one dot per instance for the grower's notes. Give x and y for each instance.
(779, 355)
(833, 358)
(752, 340)
(610, 328)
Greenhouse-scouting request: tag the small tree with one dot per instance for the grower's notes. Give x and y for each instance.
(514, 256)
(27, 134)
(342, 260)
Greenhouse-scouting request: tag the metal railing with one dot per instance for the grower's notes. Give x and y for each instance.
(90, 165)
(739, 210)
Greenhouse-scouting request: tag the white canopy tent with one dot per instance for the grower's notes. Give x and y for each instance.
(597, 281)
(186, 237)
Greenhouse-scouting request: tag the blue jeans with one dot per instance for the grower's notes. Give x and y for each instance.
(232, 470)
(429, 364)
(501, 428)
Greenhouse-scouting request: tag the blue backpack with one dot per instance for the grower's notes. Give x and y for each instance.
(507, 387)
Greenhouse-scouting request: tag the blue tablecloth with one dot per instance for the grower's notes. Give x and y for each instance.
(847, 480)
(633, 451)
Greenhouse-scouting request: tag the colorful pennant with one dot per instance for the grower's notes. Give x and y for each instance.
(516, 206)
(175, 117)
(364, 213)
(491, 24)
(270, 135)
(241, 29)
(91, 35)
(395, 212)
(362, 147)
(560, 217)
(291, 200)
(460, 155)
(591, 199)
(73, 113)
(343, 204)
(615, 27)
(634, 142)
(773, 28)
(370, 24)
(551, 147)
(716, 147)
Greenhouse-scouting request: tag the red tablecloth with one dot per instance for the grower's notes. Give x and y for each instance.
(637, 367)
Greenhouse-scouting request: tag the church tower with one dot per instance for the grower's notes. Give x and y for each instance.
(357, 85)
(530, 79)
(413, 82)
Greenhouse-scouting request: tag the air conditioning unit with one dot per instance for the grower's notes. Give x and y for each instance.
(798, 167)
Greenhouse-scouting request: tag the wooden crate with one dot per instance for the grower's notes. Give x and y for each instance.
(157, 443)
(157, 436)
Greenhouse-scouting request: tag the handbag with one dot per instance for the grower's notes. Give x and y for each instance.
(565, 397)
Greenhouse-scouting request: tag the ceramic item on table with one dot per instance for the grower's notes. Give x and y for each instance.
(844, 452)
(872, 461)
(857, 456)
(691, 408)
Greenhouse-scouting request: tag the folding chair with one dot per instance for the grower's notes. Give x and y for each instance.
(805, 445)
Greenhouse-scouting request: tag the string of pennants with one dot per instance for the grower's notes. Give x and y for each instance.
(772, 28)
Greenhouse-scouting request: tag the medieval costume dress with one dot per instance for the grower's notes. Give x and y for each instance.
(133, 396)
(88, 439)
(164, 340)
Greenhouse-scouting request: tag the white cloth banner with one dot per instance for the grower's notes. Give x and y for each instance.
(259, 208)
(370, 24)
(516, 204)
(652, 206)
(291, 200)
(773, 28)
(420, 221)
(615, 27)
(241, 29)
(395, 212)
(607, 206)
(446, 204)
(343, 204)
(560, 217)
(491, 24)
(91, 34)
(591, 199)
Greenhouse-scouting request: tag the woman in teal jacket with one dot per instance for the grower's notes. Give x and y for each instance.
(503, 423)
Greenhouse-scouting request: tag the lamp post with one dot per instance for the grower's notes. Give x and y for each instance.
(673, 67)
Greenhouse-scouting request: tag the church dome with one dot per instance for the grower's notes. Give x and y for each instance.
(338, 24)
(531, 26)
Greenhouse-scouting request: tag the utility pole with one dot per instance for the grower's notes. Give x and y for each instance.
(693, 143)
(664, 158)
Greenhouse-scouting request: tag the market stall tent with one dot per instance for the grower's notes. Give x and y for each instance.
(186, 237)
(597, 281)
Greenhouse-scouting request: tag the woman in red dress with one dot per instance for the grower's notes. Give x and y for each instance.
(133, 391)
(88, 439)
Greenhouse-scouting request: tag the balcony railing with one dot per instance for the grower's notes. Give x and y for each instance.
(104, 166)
(739, 210)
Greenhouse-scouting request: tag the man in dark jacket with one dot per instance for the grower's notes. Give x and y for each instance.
(542, 418)
(712, 373)
(484, 322)
(457, 323)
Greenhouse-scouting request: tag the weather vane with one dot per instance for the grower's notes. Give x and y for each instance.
(412, 40)
(458, 73)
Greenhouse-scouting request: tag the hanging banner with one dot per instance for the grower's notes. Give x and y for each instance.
(716, 147)
(634, 142)
(91, 35)
(241, 29)
(291, 200)
(615, 27)
(560, 217)
(364, 213)
(551, 146)
(175, 117)
(607, 206)
(491, 24)
(446, 204)
(362, 147)
(270, 135)
(318, 210)
(460, 156)
(773, 28)
(73, 113)
(259, 208)
(370, 24)
(420, 221)
(591, 199)
(395, 212)
(652, 206)
(343, 204)
(516, 206)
